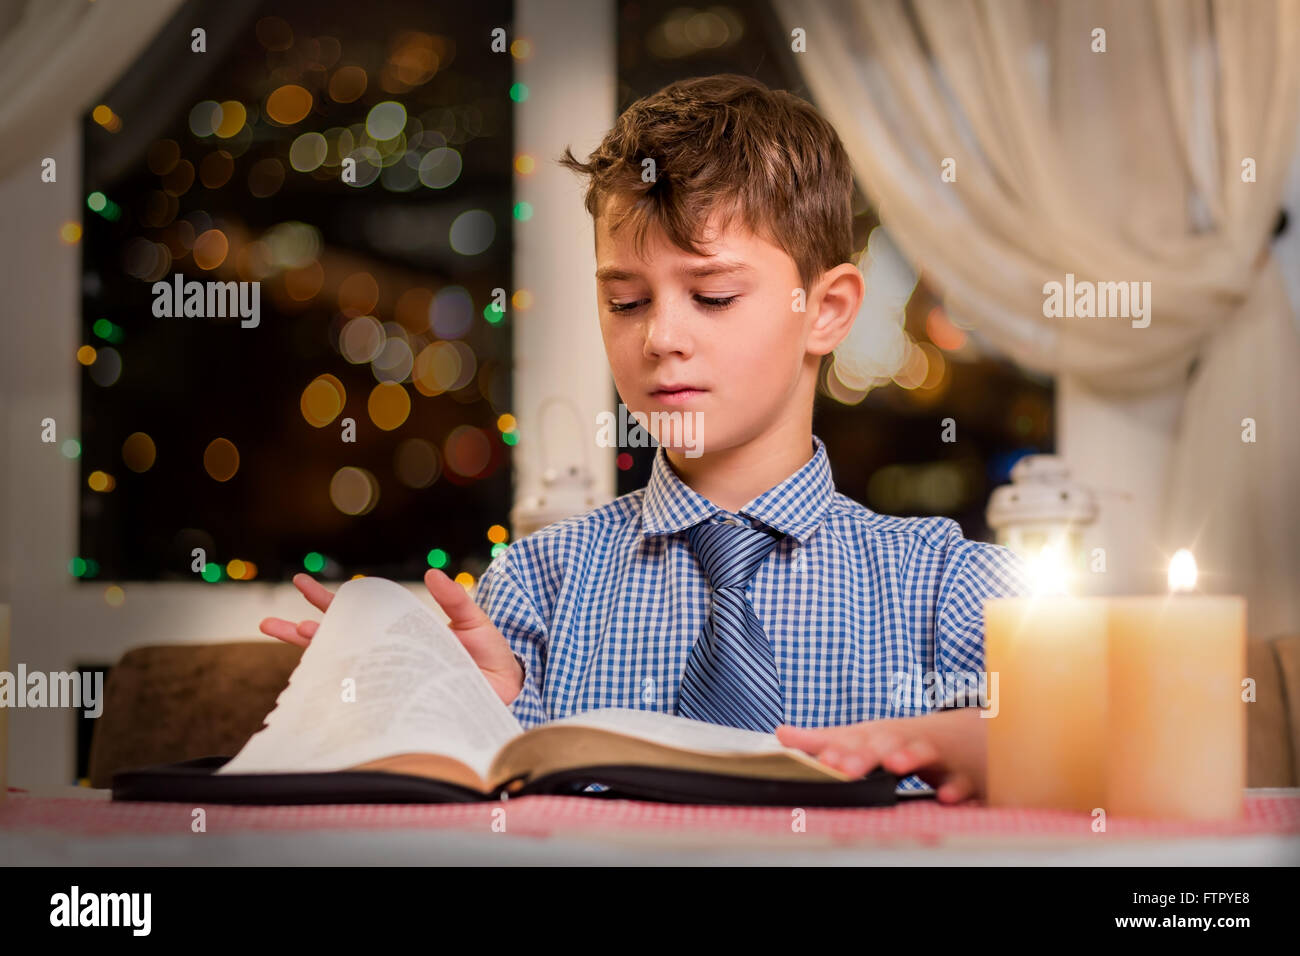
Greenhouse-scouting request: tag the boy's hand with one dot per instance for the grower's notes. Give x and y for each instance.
(946, 749)
(486, 645)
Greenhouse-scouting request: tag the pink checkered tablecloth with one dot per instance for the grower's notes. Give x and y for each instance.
(916, 821)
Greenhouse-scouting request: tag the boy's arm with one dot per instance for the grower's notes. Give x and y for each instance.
(979, 572)
(505, 600)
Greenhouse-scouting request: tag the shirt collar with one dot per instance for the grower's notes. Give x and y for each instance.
(795, 507)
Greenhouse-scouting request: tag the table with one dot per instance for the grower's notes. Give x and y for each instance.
(82, 827)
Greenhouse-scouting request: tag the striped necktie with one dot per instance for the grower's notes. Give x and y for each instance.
(730, 676)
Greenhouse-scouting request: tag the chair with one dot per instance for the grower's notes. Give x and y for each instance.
(173, 702)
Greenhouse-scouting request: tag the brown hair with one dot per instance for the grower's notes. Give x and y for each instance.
(727, 142)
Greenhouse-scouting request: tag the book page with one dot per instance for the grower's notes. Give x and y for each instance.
(681, 732)
(383, 675)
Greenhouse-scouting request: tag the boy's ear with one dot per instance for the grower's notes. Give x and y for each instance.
(841, 292)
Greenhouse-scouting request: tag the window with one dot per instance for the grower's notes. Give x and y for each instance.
(358, 170)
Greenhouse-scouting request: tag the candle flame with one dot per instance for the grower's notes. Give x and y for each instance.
(1182, 571)
(1049, 575)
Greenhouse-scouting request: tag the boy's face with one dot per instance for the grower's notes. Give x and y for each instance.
(713, 338)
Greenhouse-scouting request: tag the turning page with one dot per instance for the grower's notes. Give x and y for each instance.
(383, 675)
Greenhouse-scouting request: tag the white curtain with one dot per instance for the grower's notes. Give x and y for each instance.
(1123, 165)
(57, 57)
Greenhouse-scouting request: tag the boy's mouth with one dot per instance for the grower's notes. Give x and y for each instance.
(676, 394)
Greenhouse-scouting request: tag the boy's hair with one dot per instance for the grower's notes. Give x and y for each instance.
(728, 143)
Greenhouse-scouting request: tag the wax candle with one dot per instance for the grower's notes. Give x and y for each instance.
(1177, 721)
(1045, 657)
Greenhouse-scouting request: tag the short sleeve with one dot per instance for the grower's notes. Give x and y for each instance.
(979, 572)
(510, 607)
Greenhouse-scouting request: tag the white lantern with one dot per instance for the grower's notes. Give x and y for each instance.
(1042, 510)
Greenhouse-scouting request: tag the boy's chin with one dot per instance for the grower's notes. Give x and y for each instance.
(692, 451)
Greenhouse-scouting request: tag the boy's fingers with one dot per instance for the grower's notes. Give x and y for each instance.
(461, 610)
(912, 757)
(811, 739)
(284, 630)
(955, 788)
(315, 592)
(308, 629)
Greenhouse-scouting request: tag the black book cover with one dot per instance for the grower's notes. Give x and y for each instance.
(196, 781)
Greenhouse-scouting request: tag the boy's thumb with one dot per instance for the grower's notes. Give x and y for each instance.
(455, 601)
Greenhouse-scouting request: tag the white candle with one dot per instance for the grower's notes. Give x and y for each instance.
(1177, 721)
(1048, 652)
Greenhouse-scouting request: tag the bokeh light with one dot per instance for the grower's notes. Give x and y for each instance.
(288, 104)
(233, 117)
(467, 451)
(205, 118)
(139, 452)
(347, 84)
(413, 309)
(107, 368)
(303, 284)
(216, 169)
(385, 120)
(358, 294)
(180, 179)
(941, 330)
(162, 156)
(308, 152)
(322, 400)
(389, 405)
(221, 459)
(395, 360)
(101, 481)
(362, 339)
(265, 178)
(211, 249)
(416, 463)
(438, 367)
(440, 167)
(354, 491)
(453, 312)
(274, 34)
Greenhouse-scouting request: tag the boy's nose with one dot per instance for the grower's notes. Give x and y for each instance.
(665, 333)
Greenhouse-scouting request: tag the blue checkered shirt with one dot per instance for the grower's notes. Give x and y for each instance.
(869, 616)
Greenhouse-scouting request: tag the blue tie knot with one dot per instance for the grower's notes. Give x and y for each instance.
(730, 553)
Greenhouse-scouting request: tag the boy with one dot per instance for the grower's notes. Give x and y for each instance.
(738, 586)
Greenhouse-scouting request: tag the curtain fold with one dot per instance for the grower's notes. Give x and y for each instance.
(57, 56)
(1116, 166)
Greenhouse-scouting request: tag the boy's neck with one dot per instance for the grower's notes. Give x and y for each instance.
(733, 477)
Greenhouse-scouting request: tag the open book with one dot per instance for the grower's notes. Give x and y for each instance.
(386, 687)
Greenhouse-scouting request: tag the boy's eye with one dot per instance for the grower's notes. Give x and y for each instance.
(708, 302)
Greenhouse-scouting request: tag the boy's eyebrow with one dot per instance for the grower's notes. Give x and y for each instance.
(720, 267)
